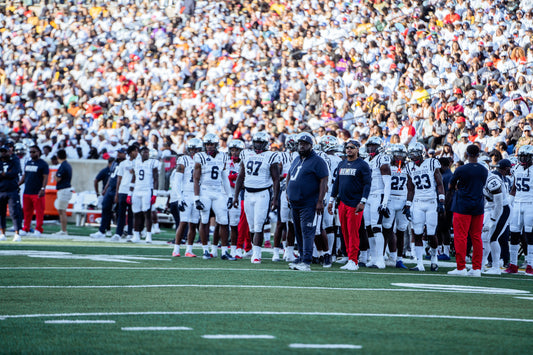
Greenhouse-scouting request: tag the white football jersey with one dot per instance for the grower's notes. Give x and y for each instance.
(398, 182)
(334, 164)
(493, 186)
(423, 178)
(523, 181)
(144, 178)
(377, 186)
(257, 168)
(212, 168)
(188, 172)
(285, 159)
(125, 169)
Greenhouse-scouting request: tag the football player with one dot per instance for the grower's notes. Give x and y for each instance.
(424, 180)
(235, 146)
(143, 193)
(522, 211)
(497, 212)
(376, 208)
(212, 191)
(285, 160)
(399, 213)
(259, 174)
(182, 184)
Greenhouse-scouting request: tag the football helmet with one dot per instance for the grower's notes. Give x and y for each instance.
(211, 138)
(20, 149)
(194, 145)
(236, 143)
(260, 141)
(398, 153)
(373, 145)
(290, 142)
(328, 143)
(416, 153)
(525, 155)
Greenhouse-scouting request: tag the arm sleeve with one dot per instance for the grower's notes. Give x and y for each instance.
(179, 184)
(387, 187)
(367, 180)
(498, 205)
(225, 182)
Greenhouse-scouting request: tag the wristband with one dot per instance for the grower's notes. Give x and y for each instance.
(409, 203)
(154, 193)
(332, 200)
(42, 188)
(363, 200)
(442, 197)
(196, 198)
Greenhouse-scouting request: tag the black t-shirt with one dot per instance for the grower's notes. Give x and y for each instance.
(65, 173)
(470, 179)
(34, 171)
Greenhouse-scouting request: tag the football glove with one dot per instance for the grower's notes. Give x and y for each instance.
(406, 210)
(384, 211)
(153, 199)
(230, 203)
(440, 207)
(181, 206)
(128, 200)
(199, 205)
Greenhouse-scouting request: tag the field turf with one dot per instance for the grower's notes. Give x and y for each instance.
(71, 296)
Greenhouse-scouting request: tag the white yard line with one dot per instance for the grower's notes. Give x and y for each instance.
(207, 268)
(266, 313)
(79, 321)
(458, 289)
(324, 346)
(237, 336)
(525, 298)
(137, 329)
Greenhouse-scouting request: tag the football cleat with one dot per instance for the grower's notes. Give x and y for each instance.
(443, 257)
(268, 244)
(2, 237)
(174, 254)
(457, 272)
(148, 239)
(350, 266)
(418, 267)
(493, 271)
(98, 235)
(327, 261)
(434, 267)
(302, 267)
(342, 260)
(206, 255)
(276, 258)
(238, 257)
(474, 273)
(361, 264)
(36, 233)
(227, 256)
(17, 238)
(512, 269)
(256, 261)
(529, 270)
(400, 265)
(116, 238)
(190, 255)
(292, 266)
(23, 233)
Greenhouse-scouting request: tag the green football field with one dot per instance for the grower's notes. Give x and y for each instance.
(75, 296)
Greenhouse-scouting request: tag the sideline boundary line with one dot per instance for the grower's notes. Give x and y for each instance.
(267, 313)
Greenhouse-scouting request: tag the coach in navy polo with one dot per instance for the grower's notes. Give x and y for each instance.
(9, 176)
(306, 188)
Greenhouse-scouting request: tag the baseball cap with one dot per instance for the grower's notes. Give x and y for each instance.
(504, 163)
(122, 150)
(460, 119)
(527, 128)
(305, 137)
(4, 147)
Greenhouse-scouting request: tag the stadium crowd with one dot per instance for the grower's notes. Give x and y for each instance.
(93, 79)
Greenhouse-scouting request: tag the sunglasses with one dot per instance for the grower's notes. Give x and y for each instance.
(351, 147)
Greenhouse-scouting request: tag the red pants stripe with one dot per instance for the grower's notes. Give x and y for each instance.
(350, 224)
(32, 203)
(243, 238)
(464, 225)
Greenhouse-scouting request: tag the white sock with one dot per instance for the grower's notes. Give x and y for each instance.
(446, 250)
(315, 251)
(224, 250)
(276, 253)
(363, 257)
(530, 254)
(413, 247)
(214, 250)
(513, 254)
(155, 226)
(256, 252)
(419, 253)
(380, 244)
(205, 248)
(393, 256)
(266, 236)
(233, 249)
(486, 252)
(188, 249)
(239, 252)
(495, 250)
(372, 249)
(433, 253)
(290, 251)
(339, 243)
(331, 240)
(284, 243)
(424, 243)
(176, 248)
(136, 235)
(148, 235)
